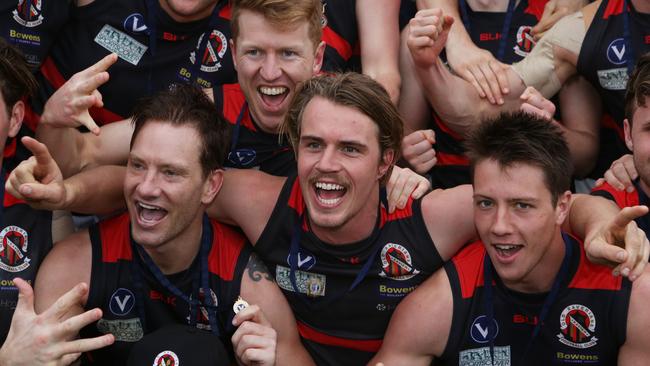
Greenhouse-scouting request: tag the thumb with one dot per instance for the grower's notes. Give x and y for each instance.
(25, 296)
(41, 192)
(87, 121)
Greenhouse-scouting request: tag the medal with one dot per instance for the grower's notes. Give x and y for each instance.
(239, 305)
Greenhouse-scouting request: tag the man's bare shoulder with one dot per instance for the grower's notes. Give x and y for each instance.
(589, 11)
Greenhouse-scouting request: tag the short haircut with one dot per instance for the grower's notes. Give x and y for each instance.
(16, 79)
(522, 138)
(638, 87)
(187, 105)
(284, 14)
(351, 90)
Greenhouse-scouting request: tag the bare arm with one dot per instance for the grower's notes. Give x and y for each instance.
(425, 313)
(379, 38)
(636, 349)
(258, 288)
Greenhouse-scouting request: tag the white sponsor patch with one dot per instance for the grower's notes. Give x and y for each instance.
(311, 284)
(121, 43)
(613, 79)
(481, 357)
(124, 330)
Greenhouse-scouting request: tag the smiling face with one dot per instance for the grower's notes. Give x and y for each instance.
(165, 189)
(339, 167)
(188, 10)
(270, 61)
(637, 138)
(518, 223)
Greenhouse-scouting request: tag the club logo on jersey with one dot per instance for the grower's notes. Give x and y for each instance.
(121, 301)
(323, 17)
(482, 331)
(396, 262)
(215, 49)
(525, 41)
(134, 23)
(616, 51)
(13, 249)
(28, 13)
(124, 330)
(577, 327)
(203, 317)
(242, 157)
(483, 357)
(166, 358)
(305, 260)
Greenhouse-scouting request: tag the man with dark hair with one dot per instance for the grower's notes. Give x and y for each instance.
(526, 290)
(165, 262)
(637, 139)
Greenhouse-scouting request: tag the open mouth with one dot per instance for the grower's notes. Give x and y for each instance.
(329, 194)
(150, 214)
(507, 250)
(273, 96)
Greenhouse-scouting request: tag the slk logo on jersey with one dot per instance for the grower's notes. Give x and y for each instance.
(13, 249)
(28, 13)
(242, 157)
(134, 23)
(166, 358)
(616, 51)
(577, 327)
(525, 41)
(215, 49)
(305, 261)
(396, 262)
(121, 302)
(482, 331)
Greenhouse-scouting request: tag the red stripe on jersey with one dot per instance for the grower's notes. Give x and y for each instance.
(51, 73)
(224, 255)
(10, 148)
(404, 213)
(608, 122)
(536, 8)
(450, 159)
(614, 7)
(444, 128)
(295, 198)
(226, 11)
(334, 40)
(103, 116)
(591, 276)
(116, 243)
(10, 200)
(322, 338)
(233, 101)
(469, 266)
(622, 198)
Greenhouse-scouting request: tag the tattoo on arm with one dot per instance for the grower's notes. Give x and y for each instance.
(257, 269)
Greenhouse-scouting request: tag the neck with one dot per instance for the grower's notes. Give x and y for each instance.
(642, 6)
(186, 18)
(500, 6)
(177, 254)
(541, 278)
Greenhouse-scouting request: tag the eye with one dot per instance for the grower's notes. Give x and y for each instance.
(136, 165)
(484, 204)
(288, 53)
(170, 173)
(523, 205)
(312, 145)
(252, 52)
(350, 150)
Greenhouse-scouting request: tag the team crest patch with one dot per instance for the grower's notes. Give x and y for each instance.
(481, 357)
(396, 262)
(121, 302)
(525, 41)
(577, 327)
(213, 53)
(13, 249)
(166, 358)
(135, 23)
(613, 79)
(482, 331)
(29, 13)
(616, 51)
(126, 47)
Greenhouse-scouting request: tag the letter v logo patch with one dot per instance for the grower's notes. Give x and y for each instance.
(121, 301)
(482, 331)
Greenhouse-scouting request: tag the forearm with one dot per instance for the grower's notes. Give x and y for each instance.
(96, 191)
(588, 214)
(64, 145)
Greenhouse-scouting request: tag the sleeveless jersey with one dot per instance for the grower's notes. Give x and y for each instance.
(341, 36)
(31, 25)
(113, 289)
(25, 239)
(253, 148)
(338, 326)
(452, 168)
(586, 324)
(627, 199)
(144, 67)
(602, 61)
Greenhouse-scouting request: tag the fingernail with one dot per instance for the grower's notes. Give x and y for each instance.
(615, 273)
(625, 272)
(620, 256)
(27, 189)
(632, 277)
(630, 189)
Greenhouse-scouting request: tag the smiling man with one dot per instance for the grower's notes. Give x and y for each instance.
(525, 293)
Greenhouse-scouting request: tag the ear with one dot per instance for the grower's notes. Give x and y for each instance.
(16, 118)
(211, 186)
(562, 207)
(233, 52)
(627, 129)
(318, 58)
(385, 163)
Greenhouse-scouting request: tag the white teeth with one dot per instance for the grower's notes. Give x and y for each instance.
(506, 247)
(329, 186)
(148, 207)
(329, 202)
(277, 90)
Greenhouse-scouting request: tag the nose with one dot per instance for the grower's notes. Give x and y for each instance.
(148, 187)
(328, 161)
(271, 68)
(501, 225)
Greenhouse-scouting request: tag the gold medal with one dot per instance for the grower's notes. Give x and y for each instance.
(239, 305)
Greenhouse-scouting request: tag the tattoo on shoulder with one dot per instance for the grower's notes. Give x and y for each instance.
(257, 269)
